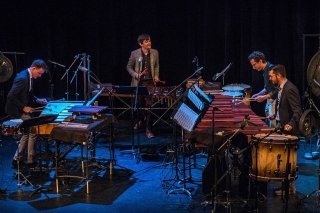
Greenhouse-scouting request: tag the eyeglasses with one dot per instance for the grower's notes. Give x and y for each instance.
(147, 41)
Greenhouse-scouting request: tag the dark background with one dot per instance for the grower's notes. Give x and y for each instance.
(217, 32)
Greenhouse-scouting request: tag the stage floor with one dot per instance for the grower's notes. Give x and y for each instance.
(147, 182)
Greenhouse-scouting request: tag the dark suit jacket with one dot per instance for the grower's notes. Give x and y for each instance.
(290, 106)
(19, 95)
(133, 64)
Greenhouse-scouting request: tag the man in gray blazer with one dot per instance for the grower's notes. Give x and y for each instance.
(143, 66)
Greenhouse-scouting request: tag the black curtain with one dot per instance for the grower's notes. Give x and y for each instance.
(217, 32)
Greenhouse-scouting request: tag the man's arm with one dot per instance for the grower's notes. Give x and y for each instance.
(131, 64)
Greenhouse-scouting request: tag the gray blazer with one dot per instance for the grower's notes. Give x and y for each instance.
(133, 64)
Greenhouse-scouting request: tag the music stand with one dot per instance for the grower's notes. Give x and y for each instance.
(134, 92)
(187, 117)
(28, 195)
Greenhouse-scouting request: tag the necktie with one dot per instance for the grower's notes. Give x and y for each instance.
(31, 84)
(278, 104)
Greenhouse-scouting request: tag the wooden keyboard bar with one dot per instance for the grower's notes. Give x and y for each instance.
(228, 117)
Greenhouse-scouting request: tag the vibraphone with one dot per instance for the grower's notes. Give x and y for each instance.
(125, 96)
(229, 114)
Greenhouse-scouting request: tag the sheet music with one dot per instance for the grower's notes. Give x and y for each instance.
(195, 100)
(186, 117)
(204, 95)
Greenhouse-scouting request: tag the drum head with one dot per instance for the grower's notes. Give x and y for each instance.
(309, 123)
(275, 137)
(232, 93)
(245, 86)
(233, 88)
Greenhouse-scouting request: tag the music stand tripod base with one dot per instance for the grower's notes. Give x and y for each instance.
(183, 190)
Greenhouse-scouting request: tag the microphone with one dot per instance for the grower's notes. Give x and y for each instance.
(198, 71)
(83, 69)
(217, 75)
(56, 63)
(79, 55)
(140, 63)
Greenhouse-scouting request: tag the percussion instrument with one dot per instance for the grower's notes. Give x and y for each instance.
(192, 81)
(270, 156)
(233, 90)
(6, 69)
(11, 127)
(233, 93)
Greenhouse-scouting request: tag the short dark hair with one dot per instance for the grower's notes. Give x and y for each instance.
(143, 37)
(257, 56)
(279, 69)
(39, 63)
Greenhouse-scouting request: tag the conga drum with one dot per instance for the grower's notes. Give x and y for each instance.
(270, 154)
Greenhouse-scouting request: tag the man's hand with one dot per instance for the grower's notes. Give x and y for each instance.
(144, 72)
(287, 127)
(156, 79)
(260, 98)
(27, 109)
(271, 117)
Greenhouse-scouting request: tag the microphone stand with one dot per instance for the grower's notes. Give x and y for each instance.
(135, 118)
(51, 84)
(67, 74)
(86, 89)
(75, 76)
(222, 73)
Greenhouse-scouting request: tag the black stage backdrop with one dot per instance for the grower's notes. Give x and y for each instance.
(217, 32)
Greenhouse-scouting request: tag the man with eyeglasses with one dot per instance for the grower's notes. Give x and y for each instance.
(288, 103)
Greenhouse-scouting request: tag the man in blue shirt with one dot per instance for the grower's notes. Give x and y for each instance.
(268, 93)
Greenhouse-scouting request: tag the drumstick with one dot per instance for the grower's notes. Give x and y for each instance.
(238, 101)
(39, 108)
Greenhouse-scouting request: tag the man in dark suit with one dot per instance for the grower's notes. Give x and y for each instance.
(143, 66)
(288, 110)
(19, 104)
(288, 103)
